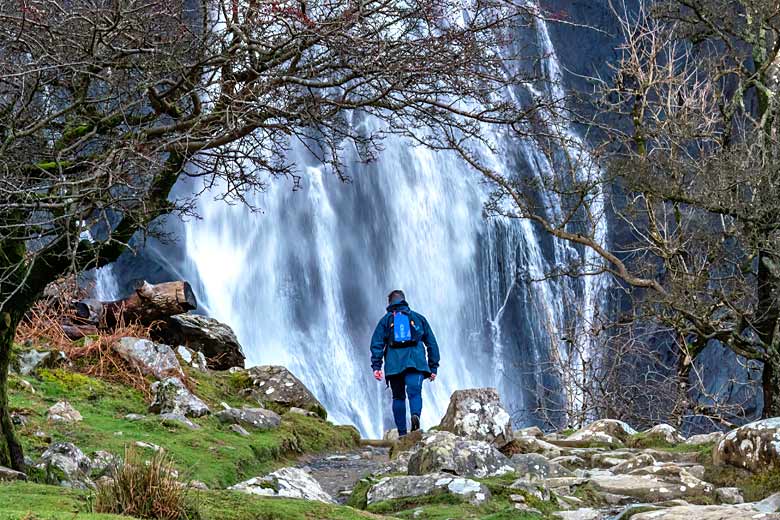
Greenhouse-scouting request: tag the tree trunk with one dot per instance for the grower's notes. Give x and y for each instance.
(771, 382)
(767, 326)
(146, 305)
(11, 454)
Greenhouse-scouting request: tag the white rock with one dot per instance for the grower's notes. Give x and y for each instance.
(285, 482)
(151, 358)
(477, 414)
(62, 411)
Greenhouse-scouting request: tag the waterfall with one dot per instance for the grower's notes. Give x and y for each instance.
(304, 282)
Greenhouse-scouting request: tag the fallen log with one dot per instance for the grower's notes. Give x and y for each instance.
(147, 304)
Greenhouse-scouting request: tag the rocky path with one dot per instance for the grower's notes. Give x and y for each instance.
(338, 473)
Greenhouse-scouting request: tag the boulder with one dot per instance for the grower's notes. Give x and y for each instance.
(706, 438)
(104, 463)
(570, 462)
(64, 412)
(729, 495)
(531, 431)
(533, 467)
(527, 444)
(755, 446)
(446, 452)
(155, 359)
(65, 465)
(170, 396)
(255, 418)
(585, 513)
(691, 512)
(664, 432)
(214, 339)
(285, 482)
(11, 474)
(276, 387)
(29, 361)
(627, 466)
(477, 414)
(177, 419)
(192, 358)
(391, 488)
(653, 484)
(770, 504)
(608, 431)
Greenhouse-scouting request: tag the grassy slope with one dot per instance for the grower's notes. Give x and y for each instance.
(213, 454)
(40, 502)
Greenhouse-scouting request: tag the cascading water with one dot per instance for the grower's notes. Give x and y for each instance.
(304, 282)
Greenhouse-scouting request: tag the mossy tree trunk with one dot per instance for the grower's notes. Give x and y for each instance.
(11, 454)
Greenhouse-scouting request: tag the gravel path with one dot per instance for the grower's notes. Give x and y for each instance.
(338, 473)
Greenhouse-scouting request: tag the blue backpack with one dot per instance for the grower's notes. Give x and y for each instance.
(403, 333)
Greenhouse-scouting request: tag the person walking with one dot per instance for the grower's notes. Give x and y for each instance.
(404, 342)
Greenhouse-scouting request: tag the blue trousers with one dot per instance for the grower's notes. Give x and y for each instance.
(407, 383)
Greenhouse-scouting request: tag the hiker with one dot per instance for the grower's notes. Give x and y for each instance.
(398, 341)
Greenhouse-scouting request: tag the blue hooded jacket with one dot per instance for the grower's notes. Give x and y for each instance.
(397, 360)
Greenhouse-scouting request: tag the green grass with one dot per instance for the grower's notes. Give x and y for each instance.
(22, 500)
(213, 454)
(38, 502)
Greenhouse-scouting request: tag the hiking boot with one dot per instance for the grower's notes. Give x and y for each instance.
(415, 423)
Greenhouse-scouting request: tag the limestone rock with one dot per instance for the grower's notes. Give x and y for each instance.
(770, 504)
(256, 418)
(446, 452)
(729, 495)
(391, 488)
(63, 411)
(11, 474)
(706, 438)
(65, 465)
(104, 463)
(285, 482)
(570, 462)
(664, 432)
(391, 435)
(149, 357)
(477, 414)
(755, 446)
(193, 358)
(236, 428)
(275, 386)
(609, 431)
(31, 360)
(170, 418)
(627, 466)
(531, 431)
(214, 339)
(301, 411)
(171, 396)
(585, 513)
(533, 467)
(690, 512)
(526, 444)
(653, 484)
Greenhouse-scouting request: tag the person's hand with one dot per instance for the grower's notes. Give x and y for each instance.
(378, 375)
(433, 377)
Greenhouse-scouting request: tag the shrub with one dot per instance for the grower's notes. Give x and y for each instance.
(145, 490)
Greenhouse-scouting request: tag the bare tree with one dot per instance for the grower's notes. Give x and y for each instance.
(104, 104)
(688, 174)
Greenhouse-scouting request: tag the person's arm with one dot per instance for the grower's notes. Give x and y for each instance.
(431, 346)
(378, 346)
